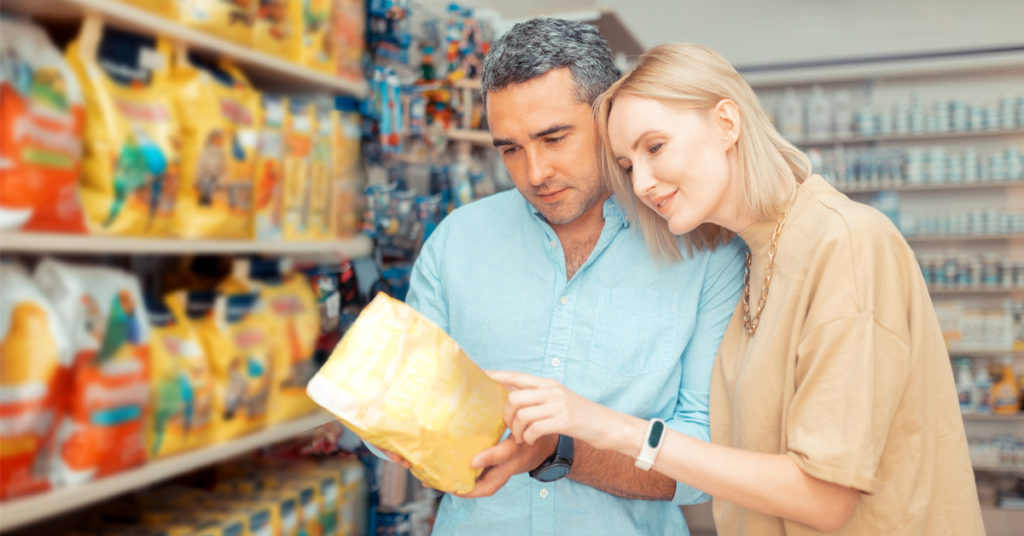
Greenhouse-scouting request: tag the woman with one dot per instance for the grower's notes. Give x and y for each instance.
(833, 406)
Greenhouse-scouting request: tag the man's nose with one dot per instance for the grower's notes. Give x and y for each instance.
(537, 168)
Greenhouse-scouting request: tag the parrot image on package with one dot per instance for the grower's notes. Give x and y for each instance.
(122, 328)
(212, 167)
(140, 163)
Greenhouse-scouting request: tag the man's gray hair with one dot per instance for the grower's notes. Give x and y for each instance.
(538, 46)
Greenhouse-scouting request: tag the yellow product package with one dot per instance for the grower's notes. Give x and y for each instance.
(230, 19)
(318, 45)
(277, 29)
(350, 37)
(320, 172)
(293, 307)
(219, 150)
(268, 199)
(182, 383)
(298, 158)
(347, 179)
(228, 368)
(130, 167)
(400, 383)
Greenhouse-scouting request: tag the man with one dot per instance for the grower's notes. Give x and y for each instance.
(551, 279)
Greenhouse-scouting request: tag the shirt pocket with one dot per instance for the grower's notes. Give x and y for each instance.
(637, 331)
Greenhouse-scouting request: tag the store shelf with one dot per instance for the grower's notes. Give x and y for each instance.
(974, 417)
(921, 239)
(931, 136)
(995, 468)
(360, 246)
(975, 291)
(985, 353)
(22, 511)
(266, 71)
(941, 187)
(477, 137)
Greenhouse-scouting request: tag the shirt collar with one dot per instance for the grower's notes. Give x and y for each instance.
(611, 211)
(759, 234)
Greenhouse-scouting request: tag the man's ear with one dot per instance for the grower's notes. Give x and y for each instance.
(726, 118)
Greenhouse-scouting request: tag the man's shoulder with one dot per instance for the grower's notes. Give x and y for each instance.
(491, 211)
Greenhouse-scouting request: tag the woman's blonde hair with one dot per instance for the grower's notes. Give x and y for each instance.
(694, 77)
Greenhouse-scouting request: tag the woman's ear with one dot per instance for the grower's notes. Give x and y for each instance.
(726, 117)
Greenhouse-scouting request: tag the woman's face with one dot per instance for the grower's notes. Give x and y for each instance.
(680, 160)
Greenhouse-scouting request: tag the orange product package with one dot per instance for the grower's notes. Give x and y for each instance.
(320, 171)
(215, 199)
(293, 308)
(41, 121)
(277, 29)
(298, 159)
(130, 170)
(34, 355)
(102, 431)
(268, 201)
(231, 19)
(349, 36)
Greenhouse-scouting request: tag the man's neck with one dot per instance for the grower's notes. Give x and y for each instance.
(579, 237)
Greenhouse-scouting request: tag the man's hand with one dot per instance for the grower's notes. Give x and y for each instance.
(505, 459)
(396, 458)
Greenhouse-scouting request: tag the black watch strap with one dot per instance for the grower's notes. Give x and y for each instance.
(558, 464)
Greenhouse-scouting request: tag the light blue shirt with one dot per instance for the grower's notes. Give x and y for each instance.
(626, 331)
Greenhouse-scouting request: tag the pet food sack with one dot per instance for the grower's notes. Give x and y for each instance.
(181, 391)
(278, 27)
(318, 45)
(298, 160)
(293, 308)
(102, 431)
(165, 8)
(230, 19)
(269, 179)
(130, 170)
(402, 384)
(41, 119)
(219, 151)
(320, 172)
(34, 356)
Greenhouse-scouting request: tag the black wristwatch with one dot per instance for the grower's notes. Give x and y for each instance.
(558, 464)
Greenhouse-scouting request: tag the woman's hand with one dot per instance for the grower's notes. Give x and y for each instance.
(538, 407)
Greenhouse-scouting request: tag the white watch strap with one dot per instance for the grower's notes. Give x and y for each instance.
(653, 440)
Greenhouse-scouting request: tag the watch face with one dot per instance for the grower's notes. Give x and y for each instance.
(553, 472)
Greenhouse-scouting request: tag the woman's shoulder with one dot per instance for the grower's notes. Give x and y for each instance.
(832, 216)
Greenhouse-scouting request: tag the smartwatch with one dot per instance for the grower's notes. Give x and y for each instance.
(653, 439)
(558, 464)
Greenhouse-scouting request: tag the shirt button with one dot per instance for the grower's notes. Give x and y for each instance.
(543, 493)
(564, 300)
(553, 243)
(555, 362)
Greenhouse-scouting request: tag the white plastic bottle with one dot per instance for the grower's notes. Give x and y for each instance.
(843, 113)
(791, 117)
(982, 392)
(819, 115)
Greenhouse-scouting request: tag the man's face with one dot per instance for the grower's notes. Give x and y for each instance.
(547, 139)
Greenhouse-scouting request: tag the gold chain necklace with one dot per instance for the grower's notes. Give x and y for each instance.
(750, 324)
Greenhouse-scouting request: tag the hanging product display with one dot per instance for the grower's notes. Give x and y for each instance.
(41, 121)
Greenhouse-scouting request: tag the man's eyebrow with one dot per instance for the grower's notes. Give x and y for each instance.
(550, 130)
(499, 142)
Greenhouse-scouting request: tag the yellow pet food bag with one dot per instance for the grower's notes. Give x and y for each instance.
(400, 383)
(230, 19)
(350, 37)
(103, 428)
(278, 27)
(320, 172)
(293, 307)
(130, 168)
(34, 356)
(165, 8)
(298, 159)
(318, 46)
(219, 151)
(269, 179)
(41, 119)
(181, 390)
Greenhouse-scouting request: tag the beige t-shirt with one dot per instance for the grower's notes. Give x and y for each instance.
(847, 373)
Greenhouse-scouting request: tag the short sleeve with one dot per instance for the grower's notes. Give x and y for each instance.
(426, 284)
(849, 379)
